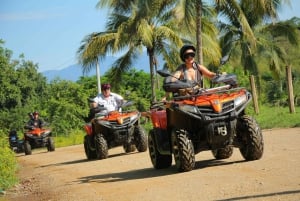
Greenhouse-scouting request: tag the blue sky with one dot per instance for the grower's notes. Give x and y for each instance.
(49, 32)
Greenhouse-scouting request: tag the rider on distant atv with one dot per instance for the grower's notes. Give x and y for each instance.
(34, 122)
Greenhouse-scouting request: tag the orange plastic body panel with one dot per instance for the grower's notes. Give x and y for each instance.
(116, 116)
(215, 100)
(37, 131)
(159, 119)
(88, 129)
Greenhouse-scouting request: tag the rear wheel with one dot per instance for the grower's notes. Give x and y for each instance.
(101, 147)
(140, 139)
(27, 148)
(222, 153)
(89, 152)
(129, 147)
(251, 137)
(158, 160)
(51, 146)
(183, 151)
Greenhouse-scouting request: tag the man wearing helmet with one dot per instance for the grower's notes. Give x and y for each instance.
(35, 121)
(110, 101)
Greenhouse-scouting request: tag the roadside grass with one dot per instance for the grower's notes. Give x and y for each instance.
(276, 117)
(73, 138)
(8, 165)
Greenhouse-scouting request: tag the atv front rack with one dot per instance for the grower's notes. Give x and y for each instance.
(215, 90)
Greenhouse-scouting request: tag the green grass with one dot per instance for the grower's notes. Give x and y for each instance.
(276, 117)
(73, 138)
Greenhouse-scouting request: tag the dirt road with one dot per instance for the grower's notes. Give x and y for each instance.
(66, 175)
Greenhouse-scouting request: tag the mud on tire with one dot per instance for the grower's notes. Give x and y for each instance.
(101, 147)
(183, 151)
(251, 137)
(140, 139)
(222, 153)
(158, 160)
(129, 147)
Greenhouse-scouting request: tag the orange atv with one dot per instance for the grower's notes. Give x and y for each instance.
(198, 120)
(37, 138)
(111, 129)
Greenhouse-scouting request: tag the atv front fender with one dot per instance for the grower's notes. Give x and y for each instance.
(162, 141)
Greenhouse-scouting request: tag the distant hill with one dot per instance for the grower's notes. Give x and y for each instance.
(74, 72)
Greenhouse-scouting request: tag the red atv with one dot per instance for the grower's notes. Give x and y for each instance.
(198, 120)
(37, 138)
(112, 129)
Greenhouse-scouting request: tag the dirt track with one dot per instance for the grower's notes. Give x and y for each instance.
(66, 175)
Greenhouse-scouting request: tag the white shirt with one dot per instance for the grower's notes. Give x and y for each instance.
(111, 103)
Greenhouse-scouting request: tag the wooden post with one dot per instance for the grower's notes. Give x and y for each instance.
(254, 95)
(290, 88)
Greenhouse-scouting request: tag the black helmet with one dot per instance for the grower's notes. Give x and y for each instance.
(185, 48)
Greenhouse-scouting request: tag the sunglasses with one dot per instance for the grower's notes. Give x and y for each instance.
(190, 54)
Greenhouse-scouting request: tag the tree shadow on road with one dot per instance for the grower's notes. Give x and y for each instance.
(261, 196)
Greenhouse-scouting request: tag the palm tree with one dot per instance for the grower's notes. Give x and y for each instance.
(194, 16)
(260, 21)
(133, 26)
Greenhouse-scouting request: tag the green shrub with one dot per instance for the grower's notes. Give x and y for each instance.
(8, 164)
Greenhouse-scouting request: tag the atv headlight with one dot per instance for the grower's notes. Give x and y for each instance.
(104, 123)
(133, 117)
(29, 135)
(189, 108)
(240, 100)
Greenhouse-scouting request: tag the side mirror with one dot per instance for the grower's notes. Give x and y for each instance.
(224, 59)
(127, 104)
(164, 73)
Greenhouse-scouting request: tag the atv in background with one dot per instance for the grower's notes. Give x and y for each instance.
(111, 129)
(38, 138)
(202, 119)
(15, 144)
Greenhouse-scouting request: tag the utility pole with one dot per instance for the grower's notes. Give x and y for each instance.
(98, 77)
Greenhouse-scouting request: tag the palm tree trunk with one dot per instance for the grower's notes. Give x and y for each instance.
(199, 31)
(98, 77)
(152, 76)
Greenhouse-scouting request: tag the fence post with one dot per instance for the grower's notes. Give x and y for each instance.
(254, 95)
(290, 88)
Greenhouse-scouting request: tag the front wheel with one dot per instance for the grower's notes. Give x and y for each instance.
(50, 146)
(101, 147)
(158, 160)
(140, 139)
(183, 151)
(251, 137)
(89, 152)
(27, 148)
